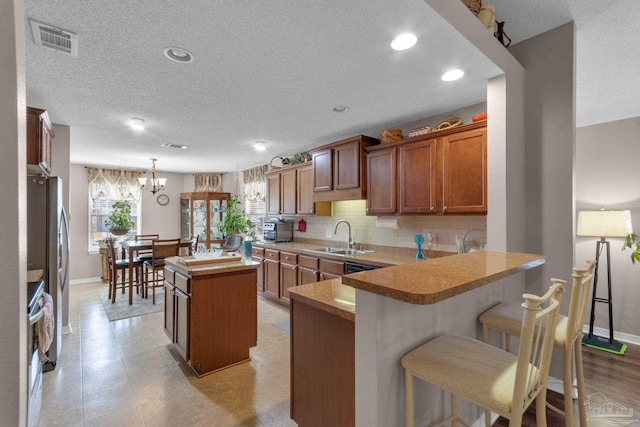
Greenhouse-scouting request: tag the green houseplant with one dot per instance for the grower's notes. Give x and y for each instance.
(119, 222)
(235, 220)
(629, 242)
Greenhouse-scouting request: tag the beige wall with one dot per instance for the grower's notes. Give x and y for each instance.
(607, 176)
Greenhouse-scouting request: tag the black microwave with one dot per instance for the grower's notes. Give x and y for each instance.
(278, 231)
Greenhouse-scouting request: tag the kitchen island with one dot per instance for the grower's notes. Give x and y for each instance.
(399, 308)
(211, 312)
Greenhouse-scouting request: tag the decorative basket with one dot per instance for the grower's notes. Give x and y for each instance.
(473, 5)
(448, 123)
(419, 131)
(390, 135)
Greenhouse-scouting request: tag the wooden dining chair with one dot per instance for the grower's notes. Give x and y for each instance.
(122, 265)
(486, 375)
(161, 249)
(506, 318)
(145, 254)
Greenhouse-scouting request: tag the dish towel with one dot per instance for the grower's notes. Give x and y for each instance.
(45, 327)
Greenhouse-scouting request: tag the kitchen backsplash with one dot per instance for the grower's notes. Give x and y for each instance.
(368, 230)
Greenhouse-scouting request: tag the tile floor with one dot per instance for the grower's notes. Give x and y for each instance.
(125, 373)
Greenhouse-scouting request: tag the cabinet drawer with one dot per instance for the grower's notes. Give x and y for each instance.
(271, 254)
(288, 258)
(169, 275)
(183, 283)
(258, 252)
(308, 262)
(332, 267)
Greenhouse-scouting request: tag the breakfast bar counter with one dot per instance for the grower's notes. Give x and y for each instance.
(396, 309)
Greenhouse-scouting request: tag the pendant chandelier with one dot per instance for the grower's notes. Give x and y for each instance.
(156, 184)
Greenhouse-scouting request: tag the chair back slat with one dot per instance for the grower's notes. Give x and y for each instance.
(536, 343)
(110, 251)
(193, 247)
(147, 237)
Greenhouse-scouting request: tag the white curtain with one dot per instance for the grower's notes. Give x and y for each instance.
(113, 184)
(254, 184)
(208, 182)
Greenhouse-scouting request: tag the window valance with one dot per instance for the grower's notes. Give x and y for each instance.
(254, 185)
(113, 184)
(208, 182)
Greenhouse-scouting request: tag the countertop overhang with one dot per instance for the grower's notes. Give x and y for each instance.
(442, 278)
(213, 268)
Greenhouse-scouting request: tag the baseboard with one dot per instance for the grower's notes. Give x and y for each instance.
(85, 280)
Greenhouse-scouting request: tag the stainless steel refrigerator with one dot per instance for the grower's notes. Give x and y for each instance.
(48, 247)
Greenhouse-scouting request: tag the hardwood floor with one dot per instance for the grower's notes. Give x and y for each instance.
(616, 377)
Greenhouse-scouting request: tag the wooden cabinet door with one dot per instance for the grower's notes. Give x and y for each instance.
(260, 272)
(304, 190)
(169, 310)
(288, 279)
(272, 278)
(273, 194)
(329, 276)
(322, 170)
(418, 177)
(39, 135)
(288, 191)
(307, 275)
(464, 173)
(382, 173)
(346, 166)
(182, 323)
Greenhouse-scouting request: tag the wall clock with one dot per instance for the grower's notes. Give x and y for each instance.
(162, 199)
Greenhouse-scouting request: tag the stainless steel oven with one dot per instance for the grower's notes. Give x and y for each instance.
(35, 315)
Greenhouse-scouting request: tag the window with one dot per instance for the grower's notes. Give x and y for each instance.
(107, 186)
(99, 210)
(254, 195)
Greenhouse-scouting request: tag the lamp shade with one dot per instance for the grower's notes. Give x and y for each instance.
(604, 223)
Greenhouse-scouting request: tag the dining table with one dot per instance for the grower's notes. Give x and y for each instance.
(132, 247)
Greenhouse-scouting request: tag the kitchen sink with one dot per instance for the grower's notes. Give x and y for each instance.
(338, 251)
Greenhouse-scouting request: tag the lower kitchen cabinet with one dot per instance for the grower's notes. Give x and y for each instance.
(257, 255)
(330, 269)
(288, 274)
(307, 270)
(176, 311)
(272, 274)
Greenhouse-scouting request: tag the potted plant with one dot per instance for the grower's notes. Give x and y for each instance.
(629, 242)
(235, 220)
(119, 222)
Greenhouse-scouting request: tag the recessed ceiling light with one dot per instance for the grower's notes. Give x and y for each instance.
(452, 75)
(404, 41)
(341, 109)
(178, 54)
(260, 146)
(136, 124)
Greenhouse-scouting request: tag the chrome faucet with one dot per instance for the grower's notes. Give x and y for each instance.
(350, 242)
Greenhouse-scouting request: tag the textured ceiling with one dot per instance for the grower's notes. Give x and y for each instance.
(273, 71)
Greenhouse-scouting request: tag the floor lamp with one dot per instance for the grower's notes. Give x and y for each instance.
(603, 223)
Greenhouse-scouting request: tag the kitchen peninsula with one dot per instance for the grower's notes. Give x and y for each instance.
(211, 312)
(397, 309)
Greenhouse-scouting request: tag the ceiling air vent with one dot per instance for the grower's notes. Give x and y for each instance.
(54, 38)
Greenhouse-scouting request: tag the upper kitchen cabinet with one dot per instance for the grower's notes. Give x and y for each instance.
(39, 136)
(441, 173)
(339, 171)
(201, 214)
(290, 191)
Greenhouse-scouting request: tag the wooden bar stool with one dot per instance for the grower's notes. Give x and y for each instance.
(122, 265)
(486, 375)
(506, 318)
(161, 249)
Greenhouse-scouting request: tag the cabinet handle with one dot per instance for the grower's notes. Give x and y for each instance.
(444, 208)
(432, 209)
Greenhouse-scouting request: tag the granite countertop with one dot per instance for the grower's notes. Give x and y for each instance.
(441, 278)
(330, 295)
(377, 258)
(209, 269)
